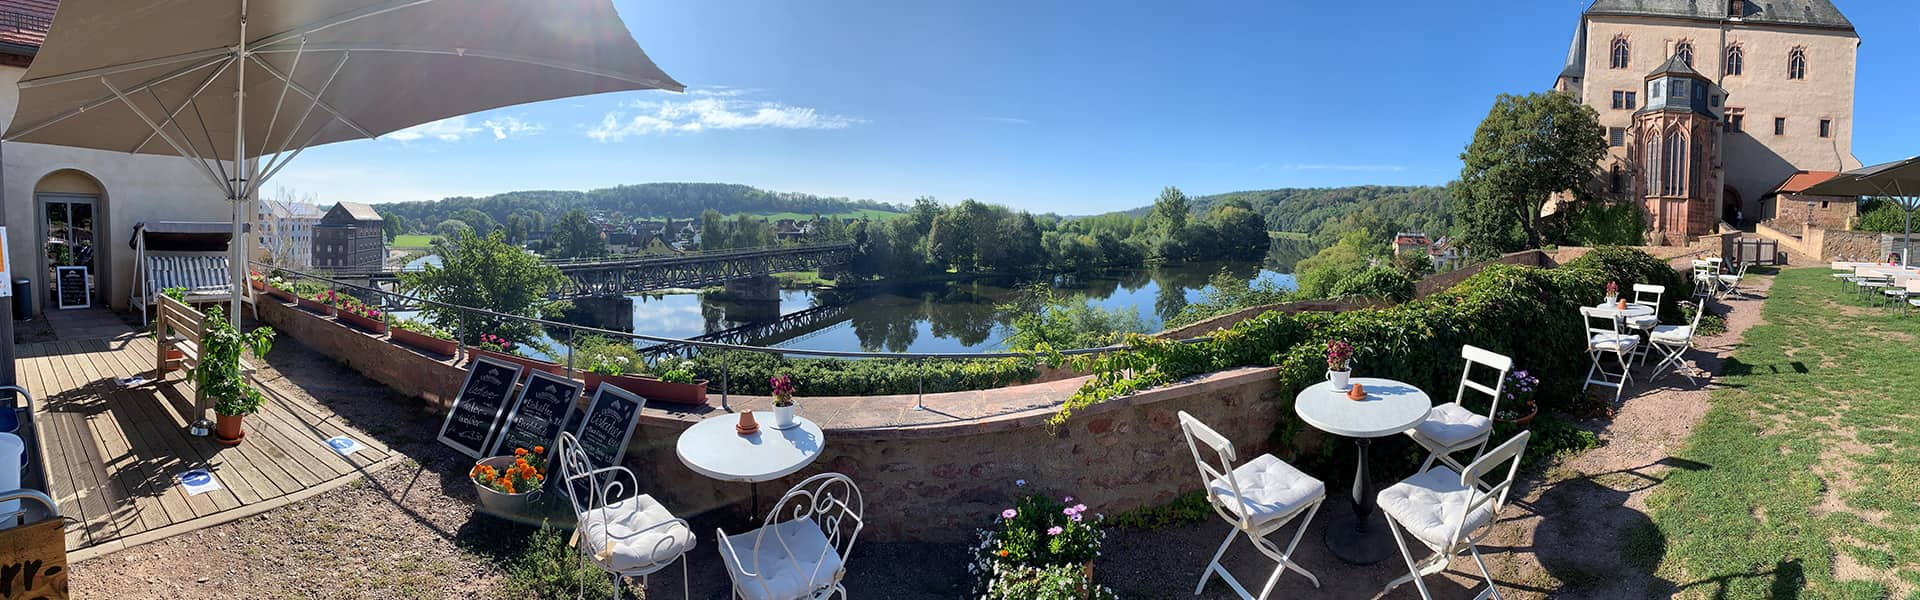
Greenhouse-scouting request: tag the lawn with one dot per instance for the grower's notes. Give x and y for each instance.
(413, 241)
(1811, 457)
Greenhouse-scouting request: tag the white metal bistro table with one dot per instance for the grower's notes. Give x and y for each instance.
(1391, 407)
(712, 448)
(1632, 310)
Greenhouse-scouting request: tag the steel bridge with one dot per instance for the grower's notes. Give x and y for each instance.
(620, 275)
(766, 333)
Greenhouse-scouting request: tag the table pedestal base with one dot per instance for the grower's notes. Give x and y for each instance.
(1360, 542)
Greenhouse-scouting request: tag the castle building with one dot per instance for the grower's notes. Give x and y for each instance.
(1709, 105)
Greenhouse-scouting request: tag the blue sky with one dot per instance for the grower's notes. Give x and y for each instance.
(1074, 108)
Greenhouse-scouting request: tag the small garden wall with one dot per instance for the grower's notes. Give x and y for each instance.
(404, 369)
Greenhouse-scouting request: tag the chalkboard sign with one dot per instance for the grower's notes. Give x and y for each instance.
(541, 413)
(608, 425)
(476, 411)
(72, 284)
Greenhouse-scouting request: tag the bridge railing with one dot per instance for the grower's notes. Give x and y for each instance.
(570, 334)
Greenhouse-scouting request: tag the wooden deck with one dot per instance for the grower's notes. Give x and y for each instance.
(112, 451)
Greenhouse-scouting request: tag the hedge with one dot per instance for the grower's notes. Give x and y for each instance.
(748, 372)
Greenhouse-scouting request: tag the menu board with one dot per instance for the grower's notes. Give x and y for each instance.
(72, 284)
(540, 414)
(476, 411)
(608, 425)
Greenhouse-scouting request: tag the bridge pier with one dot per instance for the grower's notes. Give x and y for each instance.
(605, 312)
(758, 288)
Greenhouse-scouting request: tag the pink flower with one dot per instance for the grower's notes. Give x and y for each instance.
(1055, 530)
(1069, 499)
(1008, 513)
(1069, 511)
(1079, 508)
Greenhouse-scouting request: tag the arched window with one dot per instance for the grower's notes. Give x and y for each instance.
(1673, 165)
(1736, 60)
(1684, 50)
(1797, 64)
(1621, 52)
(1653, 165)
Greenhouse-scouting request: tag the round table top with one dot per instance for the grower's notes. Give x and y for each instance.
(1391, 407)
(712, 448)
(1633, 310)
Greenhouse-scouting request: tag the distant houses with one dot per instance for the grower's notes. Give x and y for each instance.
(351, 236)
(1441, 252)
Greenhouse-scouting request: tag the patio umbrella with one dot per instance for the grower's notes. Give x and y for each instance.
(240, 88)
(1898, 181)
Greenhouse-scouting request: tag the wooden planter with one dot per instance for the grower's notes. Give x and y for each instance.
(655, 390)
(376, 326)
(537, 365)
(425, 342)
(316, 306)
(283, 295)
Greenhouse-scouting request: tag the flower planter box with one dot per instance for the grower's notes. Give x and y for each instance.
(258, 285)
(376, 326)
(655, 390)
(425, 342)
(537, 365)
(316, 306)
(283, 295)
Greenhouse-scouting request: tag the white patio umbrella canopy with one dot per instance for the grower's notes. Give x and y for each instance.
(241, 87)
(1898, 181)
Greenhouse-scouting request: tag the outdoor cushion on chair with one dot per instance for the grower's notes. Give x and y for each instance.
(1643, 322)
(801, 539)
(1617, 342)
(620, 520)
(1428, 505)
(1450, 424)
(1672, 333)
(1271, 489)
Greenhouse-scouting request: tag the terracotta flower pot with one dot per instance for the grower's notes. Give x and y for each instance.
(258, 286)
(316, 306)
(283, 295)
(538, 365)
(655, 390)
(377, 326)
(227, 429)
(425, 342)
(1524, 420)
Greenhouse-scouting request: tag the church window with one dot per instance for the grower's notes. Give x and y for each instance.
(1616, 136)
(1797, 64)
(1736, 60)
(1616, 181)
(1673, 165)
(1684, 50)
(1621, 52)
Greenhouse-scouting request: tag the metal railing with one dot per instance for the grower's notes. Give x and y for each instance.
(573, 332)
(24, 22)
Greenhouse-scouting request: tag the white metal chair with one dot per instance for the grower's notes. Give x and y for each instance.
(1449, 511)
(1913, 296)
(1674, 341)
(1868, 283)
(1706, 278)
(1648, 296)
(1730, 284)
(1450, 427)
(1257, 498)
(802, 553)
(621, 531)
(1604, 336)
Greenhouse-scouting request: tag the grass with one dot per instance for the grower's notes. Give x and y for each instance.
(1298, 236)
(413, 240)
(1811, 454)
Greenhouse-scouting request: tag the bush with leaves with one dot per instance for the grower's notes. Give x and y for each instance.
(1378, 282)
(1039, 548)
(748, 373)
(488, 273)
(218, 374)
(1044, 320)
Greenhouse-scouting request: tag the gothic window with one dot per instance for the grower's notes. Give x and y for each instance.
(1621, 52)
(1797, 64)
(1736, 60)
(1653, 165)
(1673, 165)
(1616, 181)
(1684, 50)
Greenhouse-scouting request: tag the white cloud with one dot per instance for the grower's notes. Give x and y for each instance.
(454, 129)
(507, 126)
(724, 108)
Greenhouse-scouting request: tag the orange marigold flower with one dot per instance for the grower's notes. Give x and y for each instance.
(519, 451)
(539, 449)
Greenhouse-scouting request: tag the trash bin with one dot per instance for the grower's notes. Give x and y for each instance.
(22, 299)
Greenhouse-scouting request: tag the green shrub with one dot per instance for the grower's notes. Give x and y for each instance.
(1226, 293)
(1380, 282)
(748, 372)
(547, 568)
(1881, 216)
(1186, 509)
(1628, 266)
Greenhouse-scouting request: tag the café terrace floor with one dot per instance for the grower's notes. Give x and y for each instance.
(111, 452)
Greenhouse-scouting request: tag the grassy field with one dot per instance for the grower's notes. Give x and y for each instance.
(1298, 236)
(1811, 459)
(413, 241)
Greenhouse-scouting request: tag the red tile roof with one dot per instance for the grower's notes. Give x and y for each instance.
(25, 22)
(1799, 182)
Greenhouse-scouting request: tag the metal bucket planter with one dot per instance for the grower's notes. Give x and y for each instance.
(500, 503)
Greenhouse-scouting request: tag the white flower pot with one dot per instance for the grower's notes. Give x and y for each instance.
(1339, 380)
(783, 417)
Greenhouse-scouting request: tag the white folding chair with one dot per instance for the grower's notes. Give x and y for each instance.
(1913, 296)
(1706, 278)
(1450, 427)
(621, 531)
(1674, 341)
(805, 555)
(1648, 296)
(1257, 498)
(1730, 284)
(1868, 283)
(1449, 511)
(1604, 336)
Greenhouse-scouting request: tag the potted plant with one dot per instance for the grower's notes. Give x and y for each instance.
(257, 281)
(423, 336)
(604, 368)
(505, 485)
(1339, 363)
(1613, 291)
(279, 287)
(321, 301)
(1039, 548)
(501, 348)
(360, 314)
(219, 376)
(782, 401)
(1520, 407)
(677, 385)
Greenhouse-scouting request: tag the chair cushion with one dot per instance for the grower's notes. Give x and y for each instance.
(1430, 505)
(1672, 333)
(1449, 425)
(1609, 341)
(1643, 322)
(1270, 489)
(630, 552)
(806, 562)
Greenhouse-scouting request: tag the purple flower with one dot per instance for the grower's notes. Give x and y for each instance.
(1076, 518)
(1079, 508)
(1020, 482)
(1055, 530)
(1069, 511)
(1069, 499)
(1008, 513)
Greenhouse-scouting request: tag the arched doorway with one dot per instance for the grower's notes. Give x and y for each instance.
(1731, 209)
(70, 213)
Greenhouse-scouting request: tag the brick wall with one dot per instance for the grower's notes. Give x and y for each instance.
(405, 370)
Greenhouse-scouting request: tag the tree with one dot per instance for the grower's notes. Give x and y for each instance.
(516, 229)
(713, 230)
(485, 272)
(392, 224)
(575, 236)
(481, 223)
(1169, 213)
(451, 228)
(1528, 148)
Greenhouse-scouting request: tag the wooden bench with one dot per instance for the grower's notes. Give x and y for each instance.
(178, 327)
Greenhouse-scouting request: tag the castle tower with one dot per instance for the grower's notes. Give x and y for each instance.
(1676, 153)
